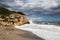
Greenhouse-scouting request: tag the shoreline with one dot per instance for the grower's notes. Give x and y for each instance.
(12, 33)
(48, 32)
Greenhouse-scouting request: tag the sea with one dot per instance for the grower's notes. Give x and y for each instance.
(45, 30)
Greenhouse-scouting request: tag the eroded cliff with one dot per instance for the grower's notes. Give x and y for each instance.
(11, 18)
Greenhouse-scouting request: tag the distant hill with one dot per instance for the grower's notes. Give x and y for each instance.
(5, 11)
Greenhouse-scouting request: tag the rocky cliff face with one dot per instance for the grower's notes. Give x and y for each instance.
(10, 18)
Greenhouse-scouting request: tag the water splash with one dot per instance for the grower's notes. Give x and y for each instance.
(31, 22)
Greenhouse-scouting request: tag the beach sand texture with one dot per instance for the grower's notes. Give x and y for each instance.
(12, 33)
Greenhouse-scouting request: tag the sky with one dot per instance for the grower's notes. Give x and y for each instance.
(43, 10)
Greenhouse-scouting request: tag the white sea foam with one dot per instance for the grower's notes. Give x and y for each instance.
(48, 32)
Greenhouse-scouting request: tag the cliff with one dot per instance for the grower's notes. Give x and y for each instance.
(11, 18)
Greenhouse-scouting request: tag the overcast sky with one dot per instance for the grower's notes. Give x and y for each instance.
(40, 9)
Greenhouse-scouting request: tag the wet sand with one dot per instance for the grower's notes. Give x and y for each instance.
(16, 34)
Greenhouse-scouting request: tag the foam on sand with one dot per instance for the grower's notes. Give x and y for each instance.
(48, 32)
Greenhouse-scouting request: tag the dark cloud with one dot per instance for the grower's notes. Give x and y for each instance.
(55, 10)
(11, 4)
(4, 5)
(7, 0)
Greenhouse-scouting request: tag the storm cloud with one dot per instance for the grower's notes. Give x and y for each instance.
(45, 7)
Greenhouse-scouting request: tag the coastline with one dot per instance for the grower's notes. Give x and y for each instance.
(11, 33)
(48, 32)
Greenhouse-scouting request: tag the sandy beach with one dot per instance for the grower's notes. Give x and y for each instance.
(16, 34)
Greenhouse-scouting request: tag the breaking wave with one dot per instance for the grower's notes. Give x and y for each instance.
(48, 32)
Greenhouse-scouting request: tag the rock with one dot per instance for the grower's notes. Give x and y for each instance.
(12, 18)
